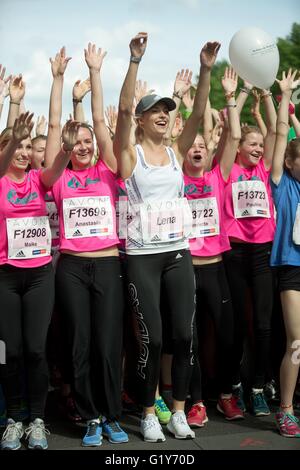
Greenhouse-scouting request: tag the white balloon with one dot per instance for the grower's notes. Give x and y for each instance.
(254, 56)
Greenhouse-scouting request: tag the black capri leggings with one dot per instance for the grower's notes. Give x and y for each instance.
(248, 266)
(27, 299)
(146, 273)
(90, 300)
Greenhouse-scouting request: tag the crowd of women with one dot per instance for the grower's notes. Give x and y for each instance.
(126, 242)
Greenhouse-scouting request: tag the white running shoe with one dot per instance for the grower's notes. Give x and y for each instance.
(151, 429)
(179, 427)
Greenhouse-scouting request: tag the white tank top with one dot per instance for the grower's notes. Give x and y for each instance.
(156, 187)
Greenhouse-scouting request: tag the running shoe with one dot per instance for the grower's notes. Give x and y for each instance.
(179, 427)
(287, 424)
(113, 431)
(36, 434)
(151, 429)
(12, 435)
(162, 411)
(197, 416)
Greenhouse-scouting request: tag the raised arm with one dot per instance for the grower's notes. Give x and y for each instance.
(227, 158)
(123, 148)
(245, 91)
(287, 84)
(94, 59)
(4, 91)
(16, 93)
(58, 67)
(269, 140)
(80, 89)
(255, 111)
(182, 84)
(69, 138)
(21, 130)
(185, 140)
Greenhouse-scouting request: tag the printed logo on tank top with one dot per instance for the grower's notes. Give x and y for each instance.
(193, 189)
(121, 191)
(253, 178)
(22, 201)
(75, 184)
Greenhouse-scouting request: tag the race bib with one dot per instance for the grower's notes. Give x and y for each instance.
(53, 219)
(88, 217)
(28, 237)
(205, 217)
(296, 228)
(165, 221)
(250, 199)
(122, 217)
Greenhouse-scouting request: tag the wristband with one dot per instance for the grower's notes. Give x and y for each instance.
(135, 60)
(229, 105)
(246, 90)
(13, 102)
(229, 95)
(177, 95)
(265, 95)
(76, 101)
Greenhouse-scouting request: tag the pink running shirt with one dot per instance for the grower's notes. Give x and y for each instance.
(85, 201)
(250, 229)
(20, 200)
(211, 185)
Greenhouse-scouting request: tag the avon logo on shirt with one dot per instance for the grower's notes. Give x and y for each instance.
(192, 189)
(75, 184)
(13, 199)
(253, 178)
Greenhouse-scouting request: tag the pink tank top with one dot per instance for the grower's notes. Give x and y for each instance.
(25, 238)
(53, 219)
(85, 201)
(248, 207)
(206, 196)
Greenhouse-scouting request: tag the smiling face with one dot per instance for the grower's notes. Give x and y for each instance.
(83, 151)
(251, 149)
(22, 156)
(38, 152)
(155, 120)
(196, 158)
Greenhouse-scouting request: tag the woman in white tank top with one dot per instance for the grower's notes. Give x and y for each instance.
(157, 246)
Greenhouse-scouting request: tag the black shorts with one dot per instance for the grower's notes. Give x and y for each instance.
(288, 278)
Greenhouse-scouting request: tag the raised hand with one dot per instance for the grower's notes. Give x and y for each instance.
(188, 100)
(41, 124)
(23, 126)
(288, 82)
(16, 89)
(209, 53)
(178, 126)
(138, 45)
(59, 63)
(94, 57)
(183, 82)
(69, 135)
(3, 82)
(141, 90)
(229, 81)
(81, 88)
(111, 115)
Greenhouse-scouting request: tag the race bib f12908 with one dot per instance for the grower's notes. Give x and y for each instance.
(28, 237)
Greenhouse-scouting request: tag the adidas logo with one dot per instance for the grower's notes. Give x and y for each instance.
(20, 254)
(77, 234)
(245, 212)
(155, 238)
(178, 256)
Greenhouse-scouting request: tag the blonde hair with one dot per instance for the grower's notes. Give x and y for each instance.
(245, 130)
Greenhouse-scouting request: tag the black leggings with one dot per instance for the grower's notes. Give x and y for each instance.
(90, 300)
(146, 273)
(248, 266)
(27, 298)
(213, 296)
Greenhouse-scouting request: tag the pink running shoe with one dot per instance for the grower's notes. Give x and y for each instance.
(197, 416)
(288, 424)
